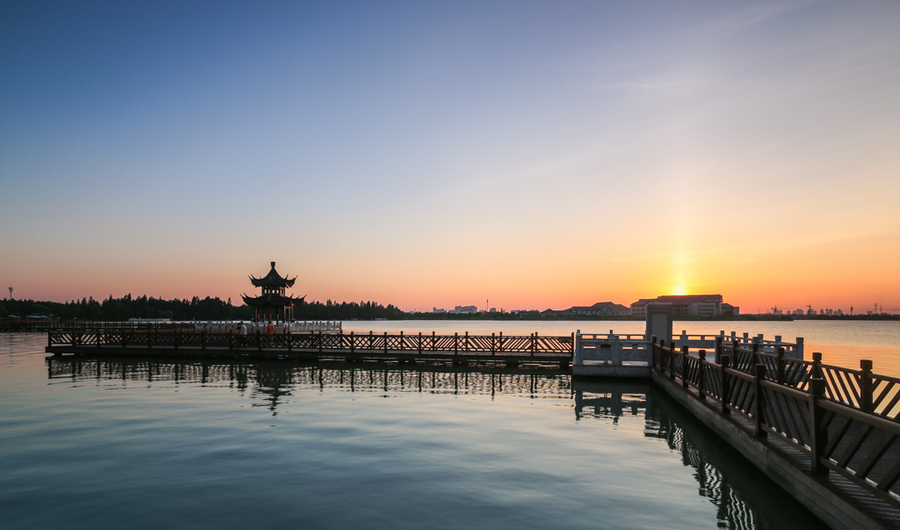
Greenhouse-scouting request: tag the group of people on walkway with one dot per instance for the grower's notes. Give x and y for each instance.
(242, 332)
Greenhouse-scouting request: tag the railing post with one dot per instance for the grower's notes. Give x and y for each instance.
(865, 386)
(684, 368)
(420, 343)
(501, 342)
(533, 342)
(259, 339)
(759, 409)
(175, 340)
(433, 341)
(816, 366)
(467, 342)
(230, 339)
(735, 358)
(493, 347)
(819, 434)
(725, 360)
(701, 376)
(203, 339)
(290, 339)
(719, 346)
(352, 343)
(455, 342)
(402, 342)
(320, 341)
(385, 342)
(672, 360)
(754, 359)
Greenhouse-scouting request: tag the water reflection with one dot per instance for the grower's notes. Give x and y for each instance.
(744, 498)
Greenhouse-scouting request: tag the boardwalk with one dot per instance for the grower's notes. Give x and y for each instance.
(829, 435)
(451, 349)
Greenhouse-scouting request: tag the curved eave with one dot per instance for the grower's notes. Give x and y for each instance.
(271, 300)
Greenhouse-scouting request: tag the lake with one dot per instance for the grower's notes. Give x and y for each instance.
(147, 443)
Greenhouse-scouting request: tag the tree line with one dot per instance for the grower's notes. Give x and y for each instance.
(189, 309)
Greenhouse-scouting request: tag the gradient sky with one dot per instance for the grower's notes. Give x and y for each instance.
(533, 154)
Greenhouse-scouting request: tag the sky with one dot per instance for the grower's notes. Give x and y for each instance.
(517, 155)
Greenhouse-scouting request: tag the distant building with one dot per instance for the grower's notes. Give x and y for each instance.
(735, 310)
(600, 309)
(464, 310)
(436, 310)
(690, 305)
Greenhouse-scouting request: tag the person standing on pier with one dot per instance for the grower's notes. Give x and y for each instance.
(242, 333)
(270, 331)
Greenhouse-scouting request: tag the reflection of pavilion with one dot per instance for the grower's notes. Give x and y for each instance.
(272, 304)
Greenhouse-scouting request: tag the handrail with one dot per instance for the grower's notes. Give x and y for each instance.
(837, 416)
(531, 345)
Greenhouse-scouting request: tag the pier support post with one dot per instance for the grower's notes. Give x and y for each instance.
(684, 366)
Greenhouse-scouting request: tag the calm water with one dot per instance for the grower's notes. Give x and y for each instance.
(152, 444)
(841, 342)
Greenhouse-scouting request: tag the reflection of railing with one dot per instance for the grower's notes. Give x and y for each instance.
(268, 375)
(844, 420)
(733, 511)
(471, 345)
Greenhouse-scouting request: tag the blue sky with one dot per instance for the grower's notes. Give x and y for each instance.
(438, 154)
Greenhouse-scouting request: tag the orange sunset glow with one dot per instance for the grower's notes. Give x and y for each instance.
(551, 160)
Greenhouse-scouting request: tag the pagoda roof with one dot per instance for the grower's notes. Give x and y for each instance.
(276, 301)
(273, 279)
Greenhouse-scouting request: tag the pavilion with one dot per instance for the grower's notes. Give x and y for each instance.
(273, 304)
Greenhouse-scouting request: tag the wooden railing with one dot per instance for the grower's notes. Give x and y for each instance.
(845, 420)
(494, 344)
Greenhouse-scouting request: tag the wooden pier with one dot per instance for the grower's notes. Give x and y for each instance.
(828, 435)
(453, 349)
